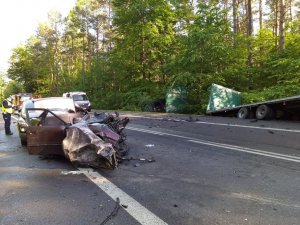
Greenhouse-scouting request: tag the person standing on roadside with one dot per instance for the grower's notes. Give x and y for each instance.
(7, 110)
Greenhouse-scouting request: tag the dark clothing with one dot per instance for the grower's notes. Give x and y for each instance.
(6, 104)
(6, 112)
(7, 120)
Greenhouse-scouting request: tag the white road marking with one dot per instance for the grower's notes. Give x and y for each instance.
(135, 209)
(251, 151)
(252, 127)
(226, 146)
(220, 124)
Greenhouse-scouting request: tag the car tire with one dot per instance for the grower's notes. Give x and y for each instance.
(264, 112)
(148, 108)
(23, 142)
(243, 113)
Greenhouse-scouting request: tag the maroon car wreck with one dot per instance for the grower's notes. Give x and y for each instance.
(50, 126)
(96, 142)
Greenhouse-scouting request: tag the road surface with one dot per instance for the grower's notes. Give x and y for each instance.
(181, 170)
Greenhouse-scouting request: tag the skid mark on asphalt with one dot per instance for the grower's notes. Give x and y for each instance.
(220, 145)
(135, 209)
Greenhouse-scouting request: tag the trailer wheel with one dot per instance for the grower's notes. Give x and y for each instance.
(243, 113)
(264, 112)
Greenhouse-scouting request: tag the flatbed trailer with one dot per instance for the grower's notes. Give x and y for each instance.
(281, 108)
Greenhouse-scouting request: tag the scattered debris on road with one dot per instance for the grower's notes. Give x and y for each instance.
(149, 145)
(113, 213)
(124, 206)
(140, 160)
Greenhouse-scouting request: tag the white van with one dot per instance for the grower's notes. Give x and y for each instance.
(80, 99)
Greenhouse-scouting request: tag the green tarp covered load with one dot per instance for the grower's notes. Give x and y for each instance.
(176, 100)
(222, 98)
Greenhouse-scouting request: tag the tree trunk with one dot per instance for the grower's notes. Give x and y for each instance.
(290, 9)
(249, 31)
(238, 16)
(281, 27)
(234, 15)
(83, 66)
(260, 14)
(276, 22)
(109, 24)
(249, 34)
(226, 9)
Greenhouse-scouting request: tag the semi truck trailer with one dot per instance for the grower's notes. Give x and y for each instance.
(227, 102)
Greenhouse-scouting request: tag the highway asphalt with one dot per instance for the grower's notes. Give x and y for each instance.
(181, 170)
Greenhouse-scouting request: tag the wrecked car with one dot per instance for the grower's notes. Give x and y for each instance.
(51, 126)
(43, 115)
(98, 141)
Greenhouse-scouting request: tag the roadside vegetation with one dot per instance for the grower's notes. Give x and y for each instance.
(127, 53)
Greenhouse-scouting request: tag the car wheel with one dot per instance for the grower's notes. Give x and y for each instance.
(23, 142)
(148, 108)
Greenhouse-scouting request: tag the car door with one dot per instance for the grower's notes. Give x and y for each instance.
(45, 132)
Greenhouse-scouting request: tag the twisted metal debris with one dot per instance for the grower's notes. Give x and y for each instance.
(97, 141)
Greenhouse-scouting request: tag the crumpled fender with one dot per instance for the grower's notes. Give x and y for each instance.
(83, 147)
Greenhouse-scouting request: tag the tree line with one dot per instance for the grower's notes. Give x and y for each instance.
(125, 53)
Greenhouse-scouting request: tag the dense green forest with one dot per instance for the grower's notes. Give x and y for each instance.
(125, 53)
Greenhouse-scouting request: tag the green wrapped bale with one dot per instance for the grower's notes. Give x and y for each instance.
(222, 98)
(176, 100)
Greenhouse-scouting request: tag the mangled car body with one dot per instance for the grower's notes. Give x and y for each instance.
(95, 141)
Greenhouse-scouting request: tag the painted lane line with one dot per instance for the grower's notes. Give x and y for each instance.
(135, 209)
(221, 144)
(221, 124)
(226, 146)
(252, 151)
(252, 127)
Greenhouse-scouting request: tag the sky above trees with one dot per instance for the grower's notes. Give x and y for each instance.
(19, 19)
